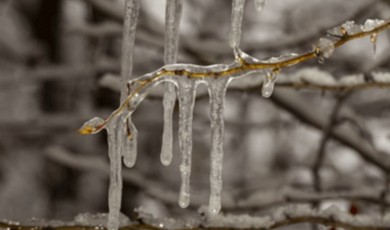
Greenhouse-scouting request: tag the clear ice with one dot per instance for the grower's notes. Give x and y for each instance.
(237, 15)
(128, 147)
(115, 188)
(187, 92)
(119, 143)
(130, 136)
(173, 13)
(268, 84)
(217, 91)
(324, 49)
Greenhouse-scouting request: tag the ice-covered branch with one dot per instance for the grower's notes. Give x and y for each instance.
(122, 133)
(285, 216)
(244, 65)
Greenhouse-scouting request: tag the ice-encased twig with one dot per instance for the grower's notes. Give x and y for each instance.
(217, 91)
(172, 22)
(237, 15)
(187, 91)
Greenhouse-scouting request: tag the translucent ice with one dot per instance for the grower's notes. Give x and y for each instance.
(129, 148)
(323, 49)
(217, 90)
(351, 28)
(371, 24)
(130, 25)
(237, 15)
(115, 187)
(173, 13)
(268, 84)
(186, 91)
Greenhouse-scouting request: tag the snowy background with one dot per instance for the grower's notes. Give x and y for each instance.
(53, 55)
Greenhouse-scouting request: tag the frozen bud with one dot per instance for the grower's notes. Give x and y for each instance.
(92, 126)
(371, 24)
(324, 48)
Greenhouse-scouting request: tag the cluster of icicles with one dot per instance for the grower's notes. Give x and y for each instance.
(122, 133)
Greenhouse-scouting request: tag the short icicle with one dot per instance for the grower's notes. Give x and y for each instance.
(269, 83)
(173, 13)
(187, 92)
(237, 15)
(217, 91)
(373, 40)
(130, 135)
(115, 187)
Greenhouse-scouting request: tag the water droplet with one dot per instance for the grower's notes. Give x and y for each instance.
(269, 83)
(321, 59)
(373, 40)
(259, 4)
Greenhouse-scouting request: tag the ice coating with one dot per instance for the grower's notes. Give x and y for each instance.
(350, 28)
(237, 15)
(217, 91)
(371, 24)
(186, 93)
(324, 49)
(173, 13)
(115, 187)
(259, 4)
(92, 126)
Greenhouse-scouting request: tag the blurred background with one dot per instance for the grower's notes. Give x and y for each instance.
(54, 53)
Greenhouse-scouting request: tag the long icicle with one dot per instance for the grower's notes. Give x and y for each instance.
(237, 15)
(128, 149)
(119, 143)
(217, 91)
(173, 13)
(187, 92)
(115, 189)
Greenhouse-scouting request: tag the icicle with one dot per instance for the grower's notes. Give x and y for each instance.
(115, 187)
(187, 91)
(259, 4)
(373, 39)
(268, 83)
(167, 140)
(172, 22)
(217, 90)
(237, 15)
(129, 29)
(130, 137)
